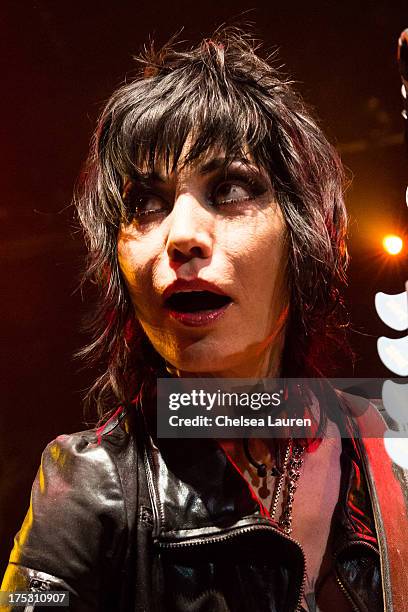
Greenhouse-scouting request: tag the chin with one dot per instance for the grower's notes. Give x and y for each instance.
(204, 360)
(194, 356)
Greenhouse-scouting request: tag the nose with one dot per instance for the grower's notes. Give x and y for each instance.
(191, 230)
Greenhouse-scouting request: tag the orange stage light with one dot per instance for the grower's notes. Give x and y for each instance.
(392, 244)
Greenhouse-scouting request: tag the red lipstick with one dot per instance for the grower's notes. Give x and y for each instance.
(196, 302)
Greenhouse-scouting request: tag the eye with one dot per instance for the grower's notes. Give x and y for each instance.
(148, 204)
(230, 192)
(142, 203)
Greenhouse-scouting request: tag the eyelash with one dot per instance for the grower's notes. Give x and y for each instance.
(254, 187)
(248, 184)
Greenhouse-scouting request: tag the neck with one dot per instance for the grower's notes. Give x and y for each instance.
(258, 363)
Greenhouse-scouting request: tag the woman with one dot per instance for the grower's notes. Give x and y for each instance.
(212, 204)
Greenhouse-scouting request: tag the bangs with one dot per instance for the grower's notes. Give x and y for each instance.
(176, 119)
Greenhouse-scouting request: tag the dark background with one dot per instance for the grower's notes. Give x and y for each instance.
(59, 63)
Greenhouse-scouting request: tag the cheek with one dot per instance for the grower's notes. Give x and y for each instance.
(272, 245)
(126, 260)
(258, 255)
(135, 266)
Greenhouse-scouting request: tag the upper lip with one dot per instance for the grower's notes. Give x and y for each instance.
(196, 284)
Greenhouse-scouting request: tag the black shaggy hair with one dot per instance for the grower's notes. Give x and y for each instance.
(220, 93)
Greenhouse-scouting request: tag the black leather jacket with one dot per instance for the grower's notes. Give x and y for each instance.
(123, 525)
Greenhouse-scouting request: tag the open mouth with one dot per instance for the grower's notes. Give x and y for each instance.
(196, 301)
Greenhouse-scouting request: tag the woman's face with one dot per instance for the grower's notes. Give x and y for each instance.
(204, 260)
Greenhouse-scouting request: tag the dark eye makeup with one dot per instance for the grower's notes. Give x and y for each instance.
(226, 189)
(237, 187)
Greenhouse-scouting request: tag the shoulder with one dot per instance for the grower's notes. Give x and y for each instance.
(77, 514)
(82, 507)
(96, 445)
(90, 453)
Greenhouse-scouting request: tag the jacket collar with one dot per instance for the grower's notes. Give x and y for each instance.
(388, 487)
(197, 487)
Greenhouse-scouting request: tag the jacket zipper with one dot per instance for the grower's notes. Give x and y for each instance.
(346, 593)
(153, 497)
(239, 531)
(377, 527)
(158, 513)
(343, 588)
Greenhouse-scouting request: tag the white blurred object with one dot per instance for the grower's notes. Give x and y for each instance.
(394, 354)
(397, 447)
(395, 400)
(393, 309)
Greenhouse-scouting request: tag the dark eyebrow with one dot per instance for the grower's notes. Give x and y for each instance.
(222, 162)
(153, 177)
(212, 165)
(207, 168)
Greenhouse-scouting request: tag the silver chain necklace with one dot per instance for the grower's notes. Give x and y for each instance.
(290, 473)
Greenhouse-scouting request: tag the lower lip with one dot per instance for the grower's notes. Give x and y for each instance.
(198, 319)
